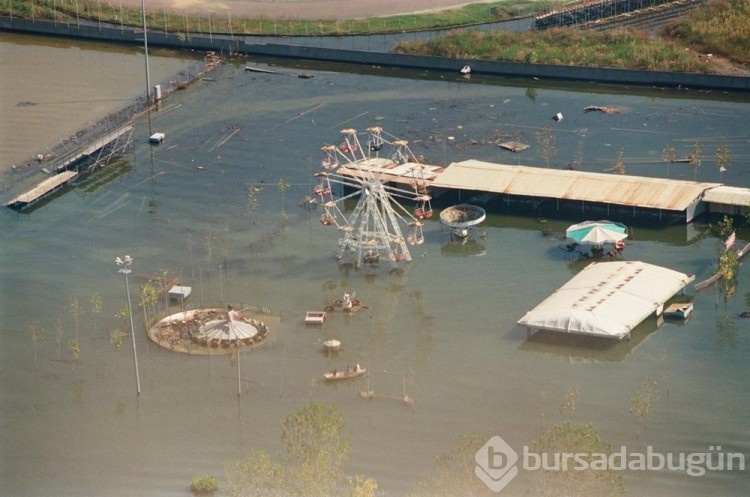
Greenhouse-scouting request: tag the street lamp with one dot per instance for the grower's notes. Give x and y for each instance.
(145, 49)
(125, 264)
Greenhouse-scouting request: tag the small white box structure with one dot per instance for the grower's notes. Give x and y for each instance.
(156, 138)
(315, 317)
(179, 292)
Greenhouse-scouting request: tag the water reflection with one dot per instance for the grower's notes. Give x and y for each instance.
(583, 349)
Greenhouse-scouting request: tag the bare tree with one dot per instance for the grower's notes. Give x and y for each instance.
(37, 333)
(619, 167)
(75, 309)
(723, 159)
(668, 155)
(696, 158)
(547, 144)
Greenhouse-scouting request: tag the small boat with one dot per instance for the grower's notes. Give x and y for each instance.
(679, 310)
(345, 374)
(466, 70)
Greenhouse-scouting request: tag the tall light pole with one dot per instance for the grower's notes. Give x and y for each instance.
(125, 264)
(145, 49)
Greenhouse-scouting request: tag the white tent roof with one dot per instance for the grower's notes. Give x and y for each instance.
(607, 299)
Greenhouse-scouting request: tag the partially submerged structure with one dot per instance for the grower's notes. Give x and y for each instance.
(207, 331)
(601, 193)
(730, 200)
(607, 299)
(85, 159)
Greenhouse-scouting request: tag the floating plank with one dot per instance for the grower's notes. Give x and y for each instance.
(513, 146)
(604, 109)
(258, 69)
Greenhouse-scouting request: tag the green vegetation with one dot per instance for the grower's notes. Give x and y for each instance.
(204, 484)
(584, 441)
(621, 49)
(723, 159)
(148, 297)
(454, 474)
(721, 29)
(316, 451)
(163, 20)
(554, 476)
(696, 158)
(642, 403)
(729, 261)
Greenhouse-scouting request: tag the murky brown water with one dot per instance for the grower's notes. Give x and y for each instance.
(52, 87)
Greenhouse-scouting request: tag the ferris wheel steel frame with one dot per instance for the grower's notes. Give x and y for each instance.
(372, 231)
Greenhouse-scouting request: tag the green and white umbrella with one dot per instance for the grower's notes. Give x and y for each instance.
(597, 232)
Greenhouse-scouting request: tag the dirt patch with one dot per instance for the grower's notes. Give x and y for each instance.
(299, 9)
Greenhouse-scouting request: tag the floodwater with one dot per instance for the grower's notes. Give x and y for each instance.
(442, 330)
(64, 85)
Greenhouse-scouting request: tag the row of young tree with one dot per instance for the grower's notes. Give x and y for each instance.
(149, 302)
(547, 151)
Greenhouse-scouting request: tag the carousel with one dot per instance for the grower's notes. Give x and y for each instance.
(206, 330)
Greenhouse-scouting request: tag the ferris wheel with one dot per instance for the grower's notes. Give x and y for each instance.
(380, 175)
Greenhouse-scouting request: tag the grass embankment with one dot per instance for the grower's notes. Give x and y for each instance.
(721, 28)
(163, 20)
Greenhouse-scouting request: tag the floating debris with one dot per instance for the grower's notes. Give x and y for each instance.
(606, 110)
(513, 146)
(315, 317)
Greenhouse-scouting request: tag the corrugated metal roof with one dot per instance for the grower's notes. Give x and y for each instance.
(385, 170)
(728, 195)
(639, 191)
(607, 299)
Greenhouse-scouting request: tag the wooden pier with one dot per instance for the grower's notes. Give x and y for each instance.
(82, 160)
(97, 150)
(46, 187)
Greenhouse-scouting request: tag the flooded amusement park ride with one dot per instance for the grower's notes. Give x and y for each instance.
(462, 220)
(204, 331)
(380, 174)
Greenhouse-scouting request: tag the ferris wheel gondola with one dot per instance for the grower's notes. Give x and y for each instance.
(372, 231)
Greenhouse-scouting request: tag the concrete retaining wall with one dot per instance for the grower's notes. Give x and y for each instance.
(278, 47)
